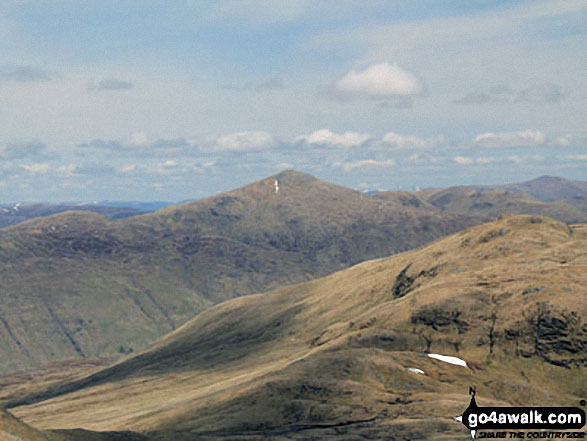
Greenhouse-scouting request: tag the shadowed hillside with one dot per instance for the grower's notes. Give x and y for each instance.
(334, 358)
(79, 285)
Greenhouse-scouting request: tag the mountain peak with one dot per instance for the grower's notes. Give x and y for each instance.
(548, 179)
(294, 176)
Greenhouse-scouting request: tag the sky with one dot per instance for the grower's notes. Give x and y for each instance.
(158, 100)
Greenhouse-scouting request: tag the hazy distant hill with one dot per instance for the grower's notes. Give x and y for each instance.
(547, 196)
(79, 285)
(555, 189)
(16, 213)
(550, 188)
(334, 359)
(138, 205)
(493, 203)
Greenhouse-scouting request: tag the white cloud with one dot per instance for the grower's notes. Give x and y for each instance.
(140, 139)
(466, 160)
(463, 160)
(37, 169)
(326, 137)
(410, 142)
(526, 138)
(523, 159)
(418, 158)
(284, 166)
(563, 141)
(67, 171)
(381, 80)
(170, 164)
(243, 141)
(364, 163)
(127, 169)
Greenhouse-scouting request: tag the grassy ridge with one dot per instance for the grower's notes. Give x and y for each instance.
(330, 359)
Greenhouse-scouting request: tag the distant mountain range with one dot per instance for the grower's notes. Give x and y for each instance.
(569, 198)
(12, 214)
(548, 196)
(78, 285)
(345, 357)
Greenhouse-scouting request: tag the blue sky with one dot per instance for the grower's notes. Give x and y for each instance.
(156, 100)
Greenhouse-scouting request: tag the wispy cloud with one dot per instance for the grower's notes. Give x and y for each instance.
(110, 84)
(269, 84)
(37, 169)
(526, 138)
(547, 93)
(86, 169)
(542, 93)
(578, 157)
(398, 141)
(242, 141)
(21, 150)
(140, 144)
(24, 74)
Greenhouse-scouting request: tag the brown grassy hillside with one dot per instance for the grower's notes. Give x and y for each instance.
(77, 285)
(331, 358)
(13, 429)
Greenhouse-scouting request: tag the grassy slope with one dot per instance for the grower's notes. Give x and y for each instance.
(79, 285)
(13, 429)
(329, 359)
